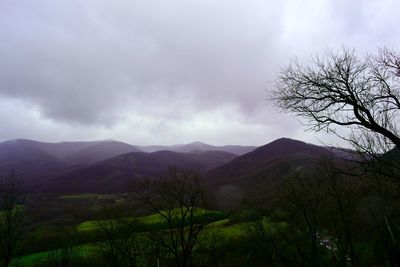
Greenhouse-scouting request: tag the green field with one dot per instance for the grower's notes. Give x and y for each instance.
(85, 237)
(221, 227)
(76, 222)
(94, 201)
(150, 220)
(36, 258)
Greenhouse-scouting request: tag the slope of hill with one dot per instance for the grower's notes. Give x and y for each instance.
(115, 174)
(155, 148)
(39, 162)
(62, 150)
(28, 162)
(85, 152)
(238, 150)
(211, 159)
(199, 146)
(109, 166)
(254, 174)
(100, 151)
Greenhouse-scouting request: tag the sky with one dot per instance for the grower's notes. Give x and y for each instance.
(167, 72)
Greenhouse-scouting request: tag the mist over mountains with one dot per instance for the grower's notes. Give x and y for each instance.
(199, 146)
(110, 166)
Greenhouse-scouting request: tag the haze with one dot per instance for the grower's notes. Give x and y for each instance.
(164, 72)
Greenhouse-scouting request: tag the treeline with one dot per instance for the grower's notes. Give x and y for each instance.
(321, 217)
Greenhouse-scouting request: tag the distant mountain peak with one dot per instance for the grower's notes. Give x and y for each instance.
(286, 139)
(287, 146)
(200, 146)
(267, 166)
(198, 143)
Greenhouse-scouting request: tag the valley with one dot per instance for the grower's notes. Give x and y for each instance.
(88, 203)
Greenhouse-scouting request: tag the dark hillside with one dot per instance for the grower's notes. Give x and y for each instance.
(115, 174)
(100, 151)
(30, 164)
(263, 170)
(200, 146)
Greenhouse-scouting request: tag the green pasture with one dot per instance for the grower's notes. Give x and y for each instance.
(79, 196)
(222, 226)
(149, 221)
(36, 258)
(94, 200)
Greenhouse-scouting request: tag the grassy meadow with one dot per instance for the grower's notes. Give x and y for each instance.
(74, 222)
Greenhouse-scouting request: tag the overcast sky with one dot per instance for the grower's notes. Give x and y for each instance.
(168, 71)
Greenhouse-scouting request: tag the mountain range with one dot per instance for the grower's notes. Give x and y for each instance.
(199, 146)
(116, 174)
(110, 166)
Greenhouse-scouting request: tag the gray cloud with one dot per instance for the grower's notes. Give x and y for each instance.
(190, 69)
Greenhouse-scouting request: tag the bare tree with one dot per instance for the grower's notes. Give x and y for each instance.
(211, 249)
(343, 90)
(361, 96)
(270, 240)
(293, 236)
(381, 199)
(11, 216)
(67, 256)
(178, 199)
(316, 223)
(125, 245)
(306, 192)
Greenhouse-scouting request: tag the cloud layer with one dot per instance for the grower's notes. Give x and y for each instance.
(167, 71)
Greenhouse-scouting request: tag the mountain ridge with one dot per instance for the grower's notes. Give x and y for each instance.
(253, 175)
(197, 145)
(101, 161)
(117, 173)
